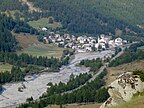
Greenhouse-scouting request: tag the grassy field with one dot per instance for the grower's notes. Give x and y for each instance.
(26, 40)
(142, 48)
(136, 102)
(32, 46)
(43, 22)
(76, 106)
(43, 50)
(113, 72)
(5, 67)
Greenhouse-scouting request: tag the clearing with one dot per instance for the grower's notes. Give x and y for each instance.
(48, 50)
(5, 67)
(26, 40)
(32, 46)
(97, 105)
(142, 48)
(43, 22)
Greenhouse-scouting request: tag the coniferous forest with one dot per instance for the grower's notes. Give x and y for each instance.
(87, 17)
(91, 17)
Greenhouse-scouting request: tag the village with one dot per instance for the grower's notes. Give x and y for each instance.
(84, 43)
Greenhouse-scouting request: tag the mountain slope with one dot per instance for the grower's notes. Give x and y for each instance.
(10, 5)
(88, 17)
(123, 89)
(129, 10)
(95, 16)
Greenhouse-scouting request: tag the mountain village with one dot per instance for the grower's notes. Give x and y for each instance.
(84, 43)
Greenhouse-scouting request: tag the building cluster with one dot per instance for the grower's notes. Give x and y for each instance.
(83, 43)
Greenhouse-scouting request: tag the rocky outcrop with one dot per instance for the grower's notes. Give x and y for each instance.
(30, 5)
(123, 89)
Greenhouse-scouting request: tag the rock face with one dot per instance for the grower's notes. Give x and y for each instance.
(123, 89)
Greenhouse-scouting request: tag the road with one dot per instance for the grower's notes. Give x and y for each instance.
(100, 70)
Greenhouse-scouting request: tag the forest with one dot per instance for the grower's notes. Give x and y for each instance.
(14, 75)
(8, 42)
(9, 5)
(93, 64)
(24, 60)
(89, 17)
(85, 17)
(74, 82)
(131, 54)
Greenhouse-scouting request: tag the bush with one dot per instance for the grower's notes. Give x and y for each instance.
(140, 73)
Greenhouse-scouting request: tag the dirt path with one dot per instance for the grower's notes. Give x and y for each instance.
(30, 5)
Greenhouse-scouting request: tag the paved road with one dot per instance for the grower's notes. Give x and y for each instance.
(100, 70)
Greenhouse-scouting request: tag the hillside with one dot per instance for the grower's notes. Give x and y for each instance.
(128, 10)
(136, 102)
(10, 5)
(95, 16)
(84, 16)
(124, 88)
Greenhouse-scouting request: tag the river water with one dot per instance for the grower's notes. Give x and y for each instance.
(36, 85)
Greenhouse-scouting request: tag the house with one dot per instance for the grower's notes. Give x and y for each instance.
(82, 41)
(53, 40)
(118, 42)
(104, 39)
(44, 29)
(81, 51)
(88, 48)
(96, 45)
(73, 38)
(57, 35)
(59, 40)
(74, 47)
(61, 43)
(86, 45)
(45, 39)
(111, 43)
(79, 38)
(125, 41)
(103, 45)
(69, 45)
(92, 42)
(100, 46)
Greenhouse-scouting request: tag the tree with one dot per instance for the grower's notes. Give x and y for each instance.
(61, 106)
(101, 95)
(0, 87)
(51, 21)
(29, 99)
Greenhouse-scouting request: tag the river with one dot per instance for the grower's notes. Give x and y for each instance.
(36, 85)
